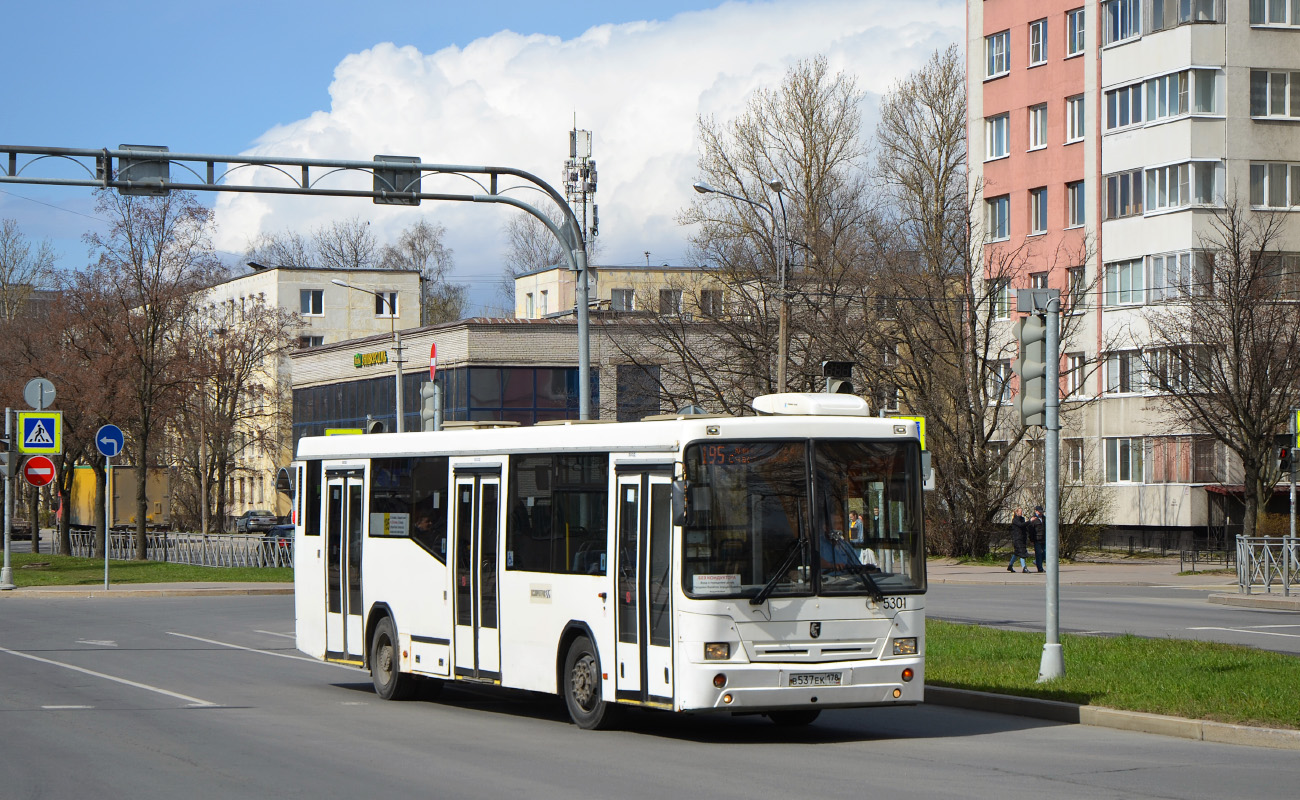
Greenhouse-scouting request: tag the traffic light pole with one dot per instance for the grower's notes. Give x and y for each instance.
(7, 573)
(1053, 662)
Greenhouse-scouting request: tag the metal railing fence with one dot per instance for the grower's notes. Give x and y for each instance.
(1268, 562)
(212, 550)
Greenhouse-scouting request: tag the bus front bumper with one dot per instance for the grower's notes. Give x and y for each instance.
(767, 687)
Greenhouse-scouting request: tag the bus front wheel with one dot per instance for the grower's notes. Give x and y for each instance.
(385, 665)
(582, 687)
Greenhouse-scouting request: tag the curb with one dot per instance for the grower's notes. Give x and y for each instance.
(1274, 601)
(127, 592)
(1099, 716)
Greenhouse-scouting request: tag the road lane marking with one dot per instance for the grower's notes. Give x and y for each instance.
(308, 659)
(98, 642)
(1248, 630)
(273, 633)
(66, 708)
(194, 701)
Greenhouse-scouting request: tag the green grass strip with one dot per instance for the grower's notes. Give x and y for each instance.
(38, 569)
(1194, 680)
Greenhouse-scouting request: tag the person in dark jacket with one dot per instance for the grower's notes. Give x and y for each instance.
(1019, 531)
(1038, 529)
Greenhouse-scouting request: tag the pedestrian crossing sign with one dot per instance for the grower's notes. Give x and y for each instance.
(42, 432)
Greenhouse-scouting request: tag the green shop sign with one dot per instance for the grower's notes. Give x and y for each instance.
(370, 359)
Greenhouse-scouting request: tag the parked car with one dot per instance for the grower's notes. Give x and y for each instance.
(281, 535)
(257, 520)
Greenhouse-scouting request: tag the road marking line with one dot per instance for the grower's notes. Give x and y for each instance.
(1247, 630)
(308, 659)
(65, 708)
(273, 633)
(194, 701)
(98, 642)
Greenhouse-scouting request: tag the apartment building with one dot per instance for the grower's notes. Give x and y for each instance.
(1102, 136)
(379, 302)
(657, 290)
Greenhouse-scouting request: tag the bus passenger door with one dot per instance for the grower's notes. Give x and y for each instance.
(643, 582)
(477, 636)
(344, 637)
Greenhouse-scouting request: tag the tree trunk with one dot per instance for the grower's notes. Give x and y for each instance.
(101, 523)
(141, 503)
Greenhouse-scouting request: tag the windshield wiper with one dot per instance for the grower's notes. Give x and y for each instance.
(856, 568)
(786, 563)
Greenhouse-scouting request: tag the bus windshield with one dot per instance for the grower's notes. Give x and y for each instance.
(755, 522)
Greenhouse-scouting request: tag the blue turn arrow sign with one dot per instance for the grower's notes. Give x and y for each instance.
(109, 440)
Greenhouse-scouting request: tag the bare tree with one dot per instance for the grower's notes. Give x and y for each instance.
(531, 246)
(21, 268)
(151, 264)
(420, 248)
(1224, 352)
(345, 244)
(285, 249)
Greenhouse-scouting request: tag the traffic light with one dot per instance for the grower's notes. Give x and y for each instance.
(837, 375)
(1031, 368)
(1285, 456)
(428, 406)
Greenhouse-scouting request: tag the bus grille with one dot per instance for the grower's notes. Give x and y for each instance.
(813, 652)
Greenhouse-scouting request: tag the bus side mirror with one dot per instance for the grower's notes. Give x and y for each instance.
(679, 502)
(927, 472)
(284, 481)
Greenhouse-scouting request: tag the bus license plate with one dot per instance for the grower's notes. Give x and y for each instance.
(815, 679)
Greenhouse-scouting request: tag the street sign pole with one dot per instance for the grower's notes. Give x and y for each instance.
(108, 514)
(7, 573)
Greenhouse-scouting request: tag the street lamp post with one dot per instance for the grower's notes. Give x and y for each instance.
(397, 342)
(783, 265)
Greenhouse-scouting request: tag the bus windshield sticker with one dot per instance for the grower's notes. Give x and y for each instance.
(716, 584)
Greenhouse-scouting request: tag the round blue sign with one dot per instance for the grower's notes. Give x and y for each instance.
(109, 440)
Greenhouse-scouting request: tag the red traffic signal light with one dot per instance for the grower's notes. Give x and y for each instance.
(1284, 457)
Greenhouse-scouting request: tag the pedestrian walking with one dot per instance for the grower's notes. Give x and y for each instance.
(1019, 531)
(1038, 529)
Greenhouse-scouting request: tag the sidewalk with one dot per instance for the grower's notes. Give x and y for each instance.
(1135, 572)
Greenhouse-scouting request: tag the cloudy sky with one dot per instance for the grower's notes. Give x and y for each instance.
(492, 83)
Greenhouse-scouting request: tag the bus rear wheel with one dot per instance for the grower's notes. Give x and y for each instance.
(582, 687)
(385, 665)
(794, 718)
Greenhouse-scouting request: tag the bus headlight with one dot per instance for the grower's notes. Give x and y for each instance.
(717, 651)
(905, 647)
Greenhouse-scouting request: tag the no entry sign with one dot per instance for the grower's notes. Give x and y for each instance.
(38, 470)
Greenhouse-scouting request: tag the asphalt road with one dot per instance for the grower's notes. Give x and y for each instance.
(207, 698)
(1151, 611)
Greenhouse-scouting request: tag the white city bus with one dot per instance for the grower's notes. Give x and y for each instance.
(768, 564)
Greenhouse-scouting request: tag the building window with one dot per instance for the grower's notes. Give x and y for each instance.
(1124, 460)
(310, 341)
(1121, 20)
(1274, 185)
(1038, 126)
(999, 389)
(1124, 194)
(1076, 203)
(995, 135)
(1205, 461)
(386, 304)
(998, 212)
(1123, 107)
(1167, 14)
(1038, 280)
(1167, 96)
(1274, 12)
(621, 300)
(1124, 282)
(1174, 369)
(887, 397)
(1074, 32)
(529, 309)
(1038, 210)
(1074, 460)
(541, 306)
(1074, 365)
(1076, 298)
(1038, 42)
(1074, 119)
(1176, 276)
(312, 301)
(1124, 372)
(997, 54)
(1274, 94)
(1001, 298)
(711, 302)
(670, 302)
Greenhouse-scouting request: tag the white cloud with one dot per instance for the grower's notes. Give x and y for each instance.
(510, 99)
